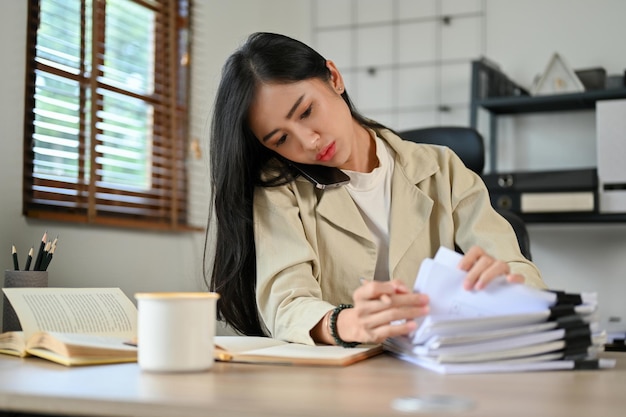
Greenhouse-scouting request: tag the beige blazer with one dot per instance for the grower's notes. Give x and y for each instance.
(312, 246)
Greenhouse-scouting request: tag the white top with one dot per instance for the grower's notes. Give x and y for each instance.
(372, 194)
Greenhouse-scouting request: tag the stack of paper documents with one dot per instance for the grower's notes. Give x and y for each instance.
(502, 328)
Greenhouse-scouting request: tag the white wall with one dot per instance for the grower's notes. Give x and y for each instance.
(130, 259)
(521, 37)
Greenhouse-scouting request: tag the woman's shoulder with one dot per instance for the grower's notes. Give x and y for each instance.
(396, 141)
(278, 190)
(419, 159)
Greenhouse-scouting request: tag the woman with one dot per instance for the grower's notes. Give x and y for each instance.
(333, 266)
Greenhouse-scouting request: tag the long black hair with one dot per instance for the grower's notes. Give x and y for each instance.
(237, 160)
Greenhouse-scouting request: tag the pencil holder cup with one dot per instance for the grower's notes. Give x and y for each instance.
(13, 279)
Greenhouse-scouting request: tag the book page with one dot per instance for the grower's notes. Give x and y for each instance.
(13, 343)
(238, 344)
(267, 350)
(100, 344)
(296, 350)
(101, 311)
(80, 349)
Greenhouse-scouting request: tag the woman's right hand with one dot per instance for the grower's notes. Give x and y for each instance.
(382, 309)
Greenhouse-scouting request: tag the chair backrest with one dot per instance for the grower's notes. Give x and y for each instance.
(468, 144)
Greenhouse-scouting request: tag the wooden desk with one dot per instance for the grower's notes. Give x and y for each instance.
(360, 390)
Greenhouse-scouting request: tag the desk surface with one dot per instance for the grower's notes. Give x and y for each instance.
(363, 389)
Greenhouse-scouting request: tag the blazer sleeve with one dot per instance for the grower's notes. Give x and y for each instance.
(478, 223)
(288, 294)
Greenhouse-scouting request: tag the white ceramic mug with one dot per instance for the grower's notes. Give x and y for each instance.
(176, 330)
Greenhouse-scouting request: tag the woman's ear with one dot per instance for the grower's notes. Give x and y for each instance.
(336, 80)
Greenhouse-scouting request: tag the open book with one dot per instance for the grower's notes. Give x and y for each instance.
(72, 326)
(248, 349)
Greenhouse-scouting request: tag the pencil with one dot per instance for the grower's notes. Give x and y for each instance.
(44, 257)
(16, 264)
(42, 245)
(46, 249)
(48, 258)
(29, 259)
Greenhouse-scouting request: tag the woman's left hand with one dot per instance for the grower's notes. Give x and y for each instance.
(482, 269)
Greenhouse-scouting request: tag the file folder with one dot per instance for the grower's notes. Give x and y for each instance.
(544, 191)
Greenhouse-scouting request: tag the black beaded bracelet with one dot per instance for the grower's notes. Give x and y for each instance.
(333, 327)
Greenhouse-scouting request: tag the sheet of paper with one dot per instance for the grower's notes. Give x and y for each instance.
(103, 311)
(264, 346)
(527, 364)
(238, 344)
(295, 350)
(494, 345)
(443, 282)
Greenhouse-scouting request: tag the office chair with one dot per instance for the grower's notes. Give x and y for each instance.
(468, 144)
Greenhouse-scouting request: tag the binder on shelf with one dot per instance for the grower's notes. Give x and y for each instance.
(611, 148)
(561, 191)
(489, 81)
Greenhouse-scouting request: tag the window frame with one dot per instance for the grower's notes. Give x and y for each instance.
(164, 206)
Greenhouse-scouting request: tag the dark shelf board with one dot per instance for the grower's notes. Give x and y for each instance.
(546, 103)
(573, 217)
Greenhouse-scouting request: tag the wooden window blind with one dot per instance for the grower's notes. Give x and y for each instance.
(106, 112)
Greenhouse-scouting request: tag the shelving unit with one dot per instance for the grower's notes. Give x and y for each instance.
(573, 217)
(558, 102)
(488, 86)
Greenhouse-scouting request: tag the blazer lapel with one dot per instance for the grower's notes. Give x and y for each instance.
(337, 207)
(410, 213)
(411, 208)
